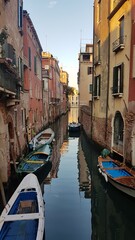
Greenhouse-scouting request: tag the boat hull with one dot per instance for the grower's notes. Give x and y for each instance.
(129, 191)
(118, 175)
(74, 127)
(42, 138)
(37, 162)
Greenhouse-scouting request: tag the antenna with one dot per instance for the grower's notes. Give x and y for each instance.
(46, 41)
(80, 39)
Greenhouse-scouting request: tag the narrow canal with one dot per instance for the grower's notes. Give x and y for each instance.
(67, 209)
(78, 203)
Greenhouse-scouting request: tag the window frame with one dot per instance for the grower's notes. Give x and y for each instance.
(118, 79)
(97, 83)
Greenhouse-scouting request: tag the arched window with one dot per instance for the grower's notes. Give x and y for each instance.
(118, 128)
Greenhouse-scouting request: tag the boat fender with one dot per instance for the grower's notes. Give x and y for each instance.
(105, 176)
(99, 170)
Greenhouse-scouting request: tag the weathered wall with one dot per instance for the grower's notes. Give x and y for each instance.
(101, 132)
(96, 128)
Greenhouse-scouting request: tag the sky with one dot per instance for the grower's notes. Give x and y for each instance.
(62, 27)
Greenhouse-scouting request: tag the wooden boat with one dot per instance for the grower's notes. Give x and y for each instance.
(36, 162)
(74, 127)
(118, 174)
(74, 134)
(44, 137)
(23, 216)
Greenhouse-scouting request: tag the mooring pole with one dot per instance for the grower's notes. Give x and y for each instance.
(2, 192)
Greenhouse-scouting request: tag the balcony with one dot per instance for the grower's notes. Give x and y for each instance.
(9, 83)
(118, 44)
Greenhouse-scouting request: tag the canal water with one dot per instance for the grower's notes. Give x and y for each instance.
(79, 205)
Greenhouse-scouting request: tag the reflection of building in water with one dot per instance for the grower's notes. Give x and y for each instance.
(73, 115)
(64, 147)
(59, 146)
(84, 174)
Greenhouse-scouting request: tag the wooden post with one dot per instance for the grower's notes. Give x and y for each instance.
(2, 192)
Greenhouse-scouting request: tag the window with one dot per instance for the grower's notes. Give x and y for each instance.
(97, 80)
(121, 30)
(118, 128)
(98, 50)
(99, 11)
(86, 57)
(35, 64)
(89, 70)
(29, 56)
(20, 14)
(90, 88)
(20, 67)
(22, 116)
(118, 79)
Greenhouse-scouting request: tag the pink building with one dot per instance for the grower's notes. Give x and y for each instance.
(32, 77)
(12, 112)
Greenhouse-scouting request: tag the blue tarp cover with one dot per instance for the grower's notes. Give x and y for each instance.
(115, 173)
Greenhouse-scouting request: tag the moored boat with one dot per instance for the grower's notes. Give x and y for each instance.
(118, 174)
(36, 162)
(23, 216)
(74, 127)
(44, 137)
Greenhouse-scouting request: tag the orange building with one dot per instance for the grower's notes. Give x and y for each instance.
(50, 68)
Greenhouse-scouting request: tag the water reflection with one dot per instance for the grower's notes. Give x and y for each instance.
(67, 196)
(83, 174)
(113, 212)
(73, 115)
(78, 203)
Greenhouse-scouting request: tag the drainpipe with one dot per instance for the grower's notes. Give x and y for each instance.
(92, 73)
(108, 80)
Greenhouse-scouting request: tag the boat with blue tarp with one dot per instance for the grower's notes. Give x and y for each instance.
(36, 162)
(118, 174)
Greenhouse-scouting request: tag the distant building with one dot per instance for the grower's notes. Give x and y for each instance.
(64, 79)
(51, 71)
(85, 77)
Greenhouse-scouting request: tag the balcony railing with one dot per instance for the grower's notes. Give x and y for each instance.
(118, 44)
(9, 83)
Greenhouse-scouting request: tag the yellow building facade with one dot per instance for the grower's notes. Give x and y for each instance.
(112, 125)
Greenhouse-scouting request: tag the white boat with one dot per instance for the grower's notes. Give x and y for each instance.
(23, 216)
(44, 137)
